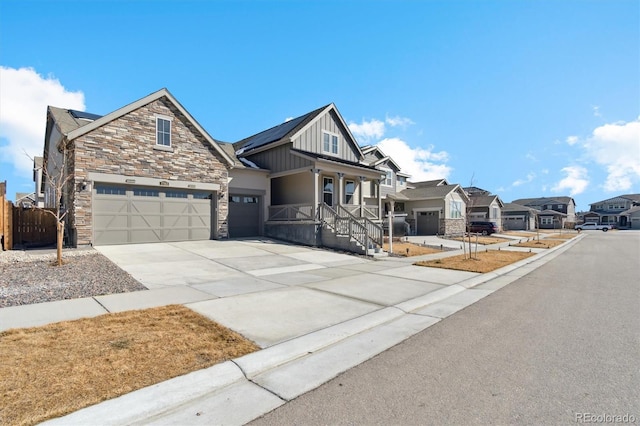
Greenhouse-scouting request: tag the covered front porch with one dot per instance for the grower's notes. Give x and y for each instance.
(343, 200)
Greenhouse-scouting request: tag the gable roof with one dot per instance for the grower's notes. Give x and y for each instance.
(432, 192)
(428, 183)
(513, 208)
(536, 202)
(632, 197)
(484, 200)
(277, 133)
(74, 124)
(289, 130)
(373, 156)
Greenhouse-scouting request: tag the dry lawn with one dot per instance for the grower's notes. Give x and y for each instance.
(486, 261)
(49, 371)
(544, 243)
(563, 236)
(409, 249)
(519, 234)
(482, 240)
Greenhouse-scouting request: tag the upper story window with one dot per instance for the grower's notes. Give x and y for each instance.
(402, 180)
(163, 131)
(329, 142)
(388, 178)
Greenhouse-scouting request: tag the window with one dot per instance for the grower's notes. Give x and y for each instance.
(327, 191)
(455, 209)
(329, 143)
(349, 189)
(388, 178)
(559, 206)
(110, 190)
(163, 131)
(494, 212)
(202, 195)
(140, 192)
(251, 200)
(402, 180)
(175, 194)
(546, 220)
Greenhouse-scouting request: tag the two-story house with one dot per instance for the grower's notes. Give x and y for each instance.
(553, 213)
(484, 206)
(611, 211)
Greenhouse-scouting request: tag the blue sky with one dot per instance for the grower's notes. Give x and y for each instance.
(522, 98)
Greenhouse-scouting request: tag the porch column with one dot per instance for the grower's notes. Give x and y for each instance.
(392, 208)
(362, 179)
(316, 202)
(340, 188)
(378, 191)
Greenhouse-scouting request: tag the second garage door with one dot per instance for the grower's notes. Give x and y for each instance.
(124, 215)
(244, 216)
(428, 223)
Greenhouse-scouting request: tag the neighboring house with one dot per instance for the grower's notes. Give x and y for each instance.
(314, 175)
(518, 217)
(484, 206)
(147, 172)
(611, 211)
(435, 207)
(632, 217)
(553, 212)
(25, 200)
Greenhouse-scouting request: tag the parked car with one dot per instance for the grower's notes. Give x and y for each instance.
(592, 226)
(484, 228)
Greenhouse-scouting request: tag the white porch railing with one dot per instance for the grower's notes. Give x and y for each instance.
(361, 229)
(370, 212)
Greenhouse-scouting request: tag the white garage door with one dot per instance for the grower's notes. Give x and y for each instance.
(125, 214)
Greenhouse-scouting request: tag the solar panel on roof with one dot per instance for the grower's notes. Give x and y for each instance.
(273, 134)
(83, 115)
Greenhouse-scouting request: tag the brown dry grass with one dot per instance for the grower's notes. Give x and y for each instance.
(543, 243)
(49, 371)
(486, 261)
(409, 249)
(564, 236)
(519, 234)
(482, 240)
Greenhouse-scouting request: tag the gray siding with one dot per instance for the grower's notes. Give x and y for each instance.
(311, 140)
(279, 159)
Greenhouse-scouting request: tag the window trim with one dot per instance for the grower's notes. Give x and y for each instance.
(332, 137)
(324, 192)
(159, 117)
(388, 177)
(347, 194)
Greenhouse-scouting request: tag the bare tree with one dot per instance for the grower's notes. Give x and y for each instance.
(57, 180)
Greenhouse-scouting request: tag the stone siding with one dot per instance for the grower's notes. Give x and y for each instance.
(127, 146)
(452, 227)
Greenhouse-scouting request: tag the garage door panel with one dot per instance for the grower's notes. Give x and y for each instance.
(244, 216)
(140, 215)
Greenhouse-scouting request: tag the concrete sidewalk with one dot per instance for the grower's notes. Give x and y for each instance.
(315, 313)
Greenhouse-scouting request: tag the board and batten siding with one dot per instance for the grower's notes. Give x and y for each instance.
(279, 159)
(311, 140)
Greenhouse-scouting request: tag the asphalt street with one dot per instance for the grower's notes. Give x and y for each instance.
(558, 346)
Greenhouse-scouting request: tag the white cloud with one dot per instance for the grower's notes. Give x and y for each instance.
(572, 140)
(596, 111)
(575, 181)
(367, 130)
(23, 108)
(420, 163)
(529, 178)
(529, 156)
(617, 147)
(398, 121)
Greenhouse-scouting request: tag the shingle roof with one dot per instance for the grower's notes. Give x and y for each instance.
(428, 183)
(276, 133)
(69, 119)
(633, 197)
(335, 160)
(513, 207)
(535, 202)
(484, 200)
(428, 192)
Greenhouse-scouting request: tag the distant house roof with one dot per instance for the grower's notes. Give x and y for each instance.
(428, 183)
(517, 208)
(484, 200)
(550, 212)
(431, 192)
(474, 190)
(538, 202)
(374, 156)
(331, 159)
(635, 198)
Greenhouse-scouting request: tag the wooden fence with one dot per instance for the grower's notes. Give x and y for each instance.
(33, 227)
(6, 221)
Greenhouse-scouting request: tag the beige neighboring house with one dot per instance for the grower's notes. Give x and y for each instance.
(516, 217)
(553, 212)
(613, 211)
(484, 206)
(632, 217)
(435, 207)
(147, 172)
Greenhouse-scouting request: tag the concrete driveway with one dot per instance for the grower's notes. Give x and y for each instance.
(270, 291)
